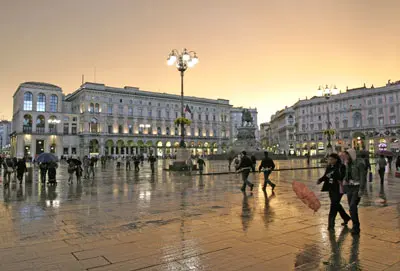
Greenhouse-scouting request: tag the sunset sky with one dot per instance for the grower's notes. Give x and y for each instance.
(256, 53)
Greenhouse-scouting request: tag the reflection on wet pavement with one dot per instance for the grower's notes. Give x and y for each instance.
(171, 221)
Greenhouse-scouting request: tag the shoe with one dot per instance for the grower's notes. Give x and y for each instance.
(346, 222)
(251, 187)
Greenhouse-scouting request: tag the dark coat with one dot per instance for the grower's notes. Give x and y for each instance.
(334, 174)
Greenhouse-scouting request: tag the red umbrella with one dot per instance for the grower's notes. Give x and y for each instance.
(306, 195)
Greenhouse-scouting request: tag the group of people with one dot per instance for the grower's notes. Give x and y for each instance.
(13, 166)
(245, 165)
(346, 173)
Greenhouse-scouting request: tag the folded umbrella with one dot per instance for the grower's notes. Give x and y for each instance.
(306, 196)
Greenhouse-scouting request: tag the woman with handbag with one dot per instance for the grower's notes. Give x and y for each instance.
(8, 166)
(332, 180)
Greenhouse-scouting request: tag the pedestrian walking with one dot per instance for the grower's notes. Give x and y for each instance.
(119, 162)
(86, 162)
(92, 164)
(230, 160)
(128, 163)
(8, 167)
(244, 167)
(253, 162)
(333, 178)
(43, 172)
(390, 160)
(52, 172)
(71, 171)
(21, 169)
(136, 163)
(398, 163)
(152, 159)
(381, 168)
(201, 164)
(354, 183)
(267, 166)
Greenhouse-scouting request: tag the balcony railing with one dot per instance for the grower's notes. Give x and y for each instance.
(40, 130)
(27, 129)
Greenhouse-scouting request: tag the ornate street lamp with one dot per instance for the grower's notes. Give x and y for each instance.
(183, 60)
(327, 93)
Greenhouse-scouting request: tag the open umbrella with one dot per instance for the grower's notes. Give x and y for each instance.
(386, 153)
(46, 157)
(75, 161)
(306, 195)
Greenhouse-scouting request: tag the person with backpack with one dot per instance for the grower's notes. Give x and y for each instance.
(267, 165)
(332, 179)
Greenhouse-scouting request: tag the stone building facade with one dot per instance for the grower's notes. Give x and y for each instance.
(102, 120)
(362, 118)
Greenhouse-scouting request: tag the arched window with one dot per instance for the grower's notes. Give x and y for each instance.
(28, 99)
(53, 124)
(41, 103)
(97, 108)
(93, 126)
(40, 124)
(91, 108)
(27, 125)
(53, 103)
(167, 131)
(120, 129)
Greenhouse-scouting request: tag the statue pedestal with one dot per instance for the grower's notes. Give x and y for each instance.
(182, 155)
(246, 140)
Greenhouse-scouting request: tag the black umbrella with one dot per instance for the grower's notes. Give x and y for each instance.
(75, 161)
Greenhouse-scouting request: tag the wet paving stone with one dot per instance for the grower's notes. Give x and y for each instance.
(172, 221)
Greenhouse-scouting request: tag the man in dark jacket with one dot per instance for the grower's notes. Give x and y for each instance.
(245, 166)
(267, 165)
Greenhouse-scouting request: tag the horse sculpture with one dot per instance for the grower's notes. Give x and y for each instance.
(247, 119)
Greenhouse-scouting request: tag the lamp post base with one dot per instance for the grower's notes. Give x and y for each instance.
(182, 155)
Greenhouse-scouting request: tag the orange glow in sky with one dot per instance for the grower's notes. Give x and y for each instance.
(256, 53)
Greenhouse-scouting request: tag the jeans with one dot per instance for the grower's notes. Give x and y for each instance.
(245, 176)
(267, 180)
(354, 200)
(336, 207)
(382, 174)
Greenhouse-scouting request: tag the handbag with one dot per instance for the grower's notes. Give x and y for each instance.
(326, 186)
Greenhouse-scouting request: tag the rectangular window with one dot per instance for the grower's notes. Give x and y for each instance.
(110, 129)
(345, 123)
(213, 117)
(110, 109)
(380, 111)
(159, 114)
(141, 112)
(121, 109)
(370, 121)
(199, 116)
(66, 128)
(150, 113)
(74, 129)
(369, 102)
(379, 100)
(312, 126)
(392, 109)
(392, 120)
(176, 114)
(65, 152)
(73, 150)
(167, 114)
(381, 121)
(319, 126)
(130, 111)
(53, 103)
(391, 99)
(206, 117)
(370, 112)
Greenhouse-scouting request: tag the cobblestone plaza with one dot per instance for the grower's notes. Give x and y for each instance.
(135, 221)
